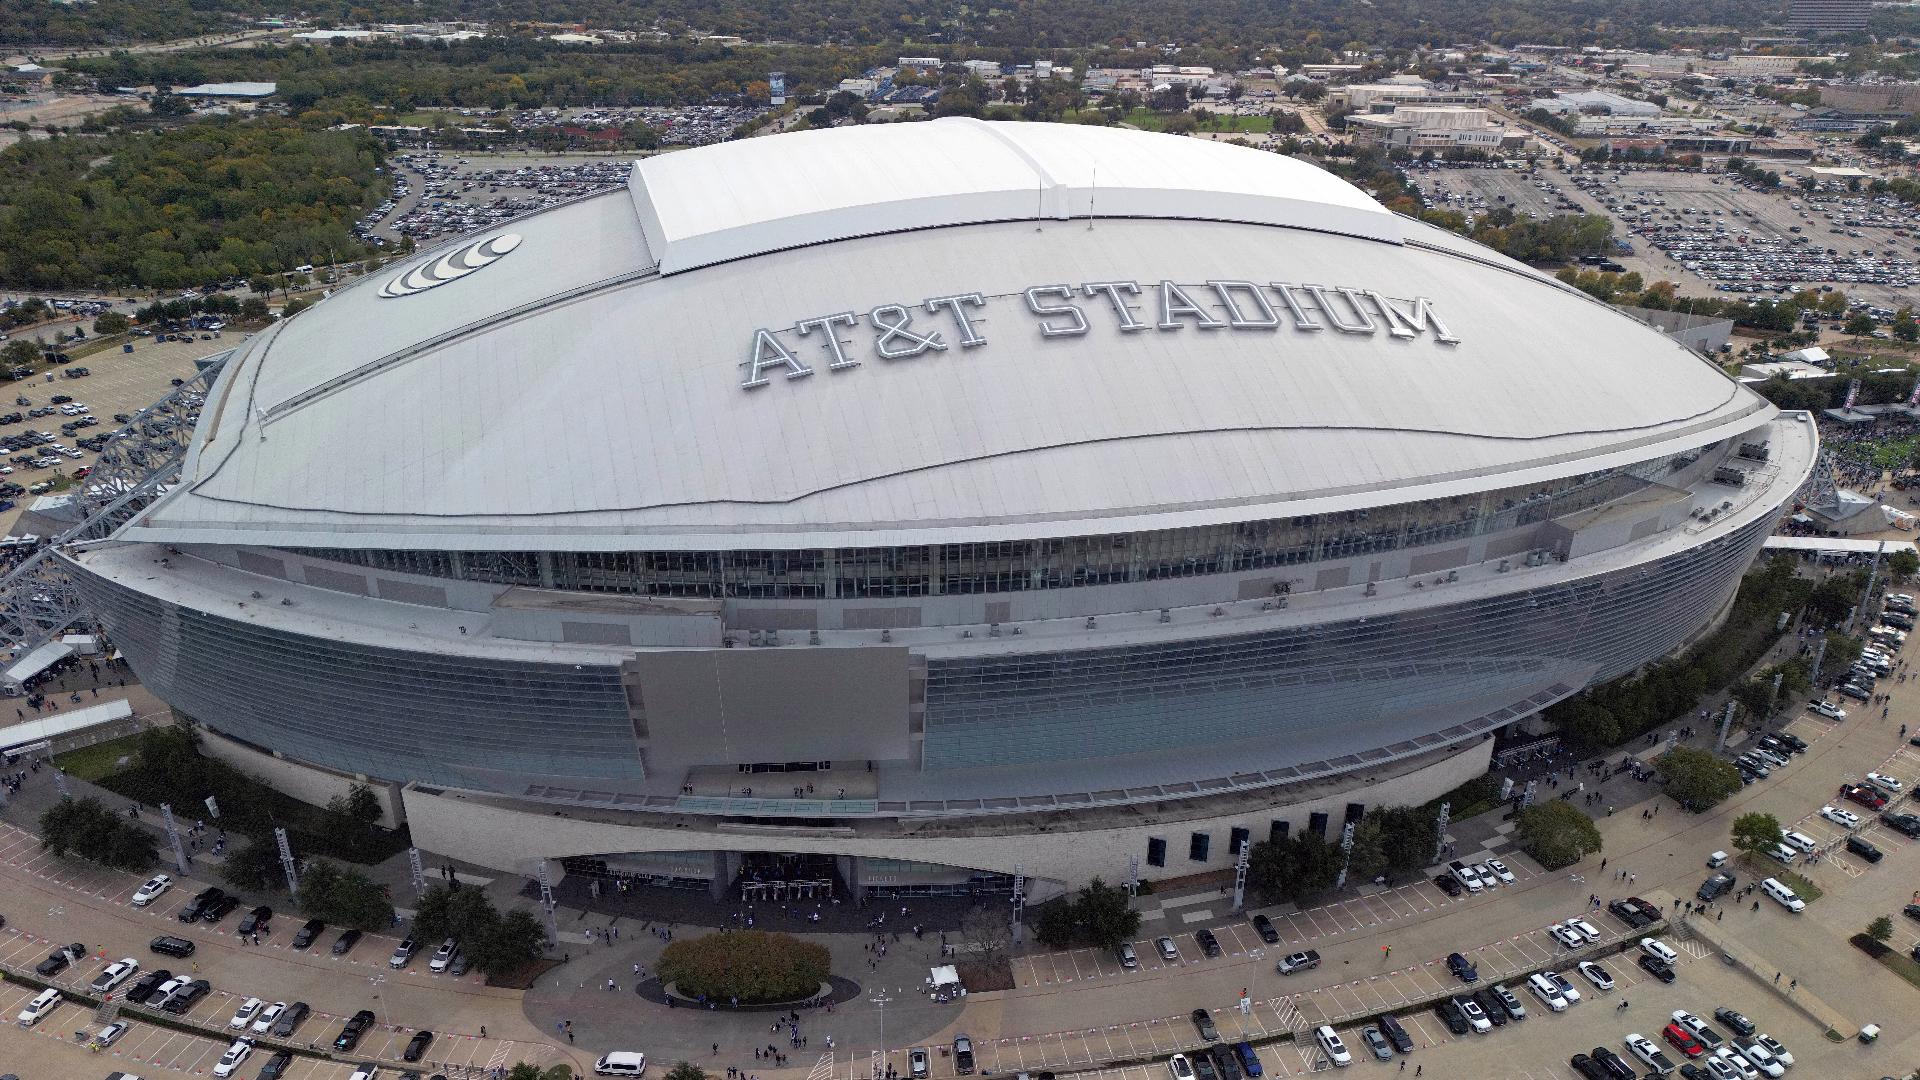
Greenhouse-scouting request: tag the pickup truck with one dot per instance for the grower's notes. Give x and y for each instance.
(1300, 961)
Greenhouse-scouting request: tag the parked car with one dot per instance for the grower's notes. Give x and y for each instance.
(1304, 960)
(57, 960)
(184, 998)
(290, 1019)
(1462, 968)
(1209, 944)
(353, 1029)
(1735, 1020)
(344, 943)
(402, 953)
(256, 920)
(1265, 928)
(143, 988)
(148, 893)
(113, 975)
(417, 1046)
(308, 931)
(171, 946)
(1203, 1022)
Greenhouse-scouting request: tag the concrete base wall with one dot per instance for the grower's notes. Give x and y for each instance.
(515, 838)
(308, 783)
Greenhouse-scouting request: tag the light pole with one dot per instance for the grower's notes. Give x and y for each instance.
(880, 1000)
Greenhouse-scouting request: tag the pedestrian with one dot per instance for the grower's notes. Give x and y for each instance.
(1776, 978)
(1792, 985)
(1603, 864)
(483, 1031)
(716, 1049)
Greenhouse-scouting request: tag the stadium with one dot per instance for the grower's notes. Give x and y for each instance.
(906, 507)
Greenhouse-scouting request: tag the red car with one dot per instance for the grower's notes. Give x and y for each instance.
(1683, 1040)
(1865, 796)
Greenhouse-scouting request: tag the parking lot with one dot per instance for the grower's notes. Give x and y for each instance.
(120, 383)
(440, 194)
(362, 976)
(1700, 217)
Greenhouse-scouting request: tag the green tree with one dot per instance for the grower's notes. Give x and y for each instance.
(1880, 929)
(1407, 838)
(1556, 834)
(1904, 564)
(111, 322)
(19, 353)
(359, 805)
(343, 896)
(752, 965)
(1106, 919)
(686, 1070)
(1859, 326)
(86, 829)
(517, 939)
(254, 865)
(1756, 833)
(1904, 326)
(1696, 779)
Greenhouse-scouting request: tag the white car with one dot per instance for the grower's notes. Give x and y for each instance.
(110, 1034)
(114, 974)
(1829, 710)
(366, 1072)
(243, 1016)
(1180, 1067)
(264, 1022)
(1719, 1069)
(1880, 780)
(1775, 1047)
(1596, 975)
(151, 891)
(1762, 1058)
(1585, 929)
(1475, 1015)
(1567, 989)
(236, 1055)
(1739, 1063)
(1500, 871)
(1487, 876)
(1708, 1037)
(1846, 818)
(1642, 1047)
(1566, 935)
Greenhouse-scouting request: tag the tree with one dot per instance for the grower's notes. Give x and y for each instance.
(987, 934)
(1556, 834)
(1905, 328)
(253, 865)
(1294, 868)
(1756, 833)
(1880, 929)
(86, 829)
(1904, 564)
(346, 897)
(752, 965)
(359, 805)
(517, 940)
(1696, 779)
(686, 1070)
(111, 322)
(20, 353)
(1098, 915)
(1859, 326)
(1407, 838)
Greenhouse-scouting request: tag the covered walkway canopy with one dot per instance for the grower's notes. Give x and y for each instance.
(1833, 545)
(34, 732)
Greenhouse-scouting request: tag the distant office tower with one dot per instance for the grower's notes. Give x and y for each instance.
(1828, 16)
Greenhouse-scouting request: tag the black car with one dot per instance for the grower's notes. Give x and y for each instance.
(1203, 1022)
(1859, 846)
(1657, 968)
(350, 1033)
(1907, 825)
(183, 998)
(57, 961)
(171, 946)
(1462, 968)
(143, 987)
(344, 943)
(1587, 1067)
(309, 930)
(1203, 1067)
(290, 1018)
(1452, 1015)
(1734, 1020)
(256, 920)
(416, 1046)
(1446, 884)
(1794, 742)
(276, 1066)
(193, 909)
(1612, 1066)
(220, 909)
(1395, 1034)
(1226, 1062)
(1208, 943)
(61, 399)
(1264, 927)
(1495, 1009)
(1715, 885)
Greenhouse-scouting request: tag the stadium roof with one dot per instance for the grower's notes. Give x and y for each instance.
(230, 89)
(550, 387)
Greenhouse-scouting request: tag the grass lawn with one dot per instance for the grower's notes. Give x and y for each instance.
(1804, 889)
(1903, 967)
(91, 763)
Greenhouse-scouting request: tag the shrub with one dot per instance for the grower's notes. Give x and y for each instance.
(751, 965)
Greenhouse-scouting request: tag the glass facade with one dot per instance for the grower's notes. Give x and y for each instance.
(472, 722)
(1020, 565)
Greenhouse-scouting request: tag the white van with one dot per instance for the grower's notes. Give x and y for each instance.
(621, 1063)
(1659, 950)
(1774, 888)
(1800, 840)
(42, 1004)
(1785, 854)
(1548, 992)
(1331, 1045)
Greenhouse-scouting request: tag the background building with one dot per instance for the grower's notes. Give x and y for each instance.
(1829, 16)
